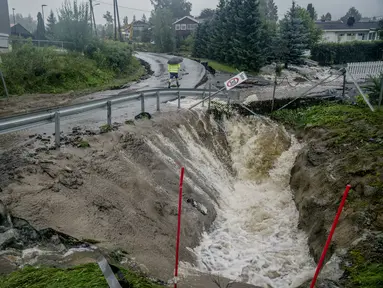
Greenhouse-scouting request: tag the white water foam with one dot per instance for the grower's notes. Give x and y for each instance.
(255, 238)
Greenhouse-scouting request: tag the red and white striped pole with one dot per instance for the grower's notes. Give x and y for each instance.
(321, 260)
(179, 226)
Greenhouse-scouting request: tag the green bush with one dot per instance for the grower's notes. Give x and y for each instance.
(374, 88)
(341, 53)
(30, 69)
(111, 55)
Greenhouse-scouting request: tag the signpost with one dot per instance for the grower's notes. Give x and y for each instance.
(229, 84)
(236, 80)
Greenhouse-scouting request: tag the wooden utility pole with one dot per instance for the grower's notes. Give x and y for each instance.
(118, 21)
(92, 18)
(115, 19)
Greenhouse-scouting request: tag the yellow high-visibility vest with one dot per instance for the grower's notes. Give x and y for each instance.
(174, 68)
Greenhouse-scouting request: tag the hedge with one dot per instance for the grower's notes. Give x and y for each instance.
(341, 53)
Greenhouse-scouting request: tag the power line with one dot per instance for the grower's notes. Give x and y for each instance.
(111, 4)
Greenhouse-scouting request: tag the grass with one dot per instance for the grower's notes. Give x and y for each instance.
(105, 128)
(30, 70)
(220, 66)
(362, 273)
(88, 275)
(350, 123)
(84, 144)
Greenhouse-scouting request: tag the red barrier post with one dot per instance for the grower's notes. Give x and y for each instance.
(321, 260)
(179, 226)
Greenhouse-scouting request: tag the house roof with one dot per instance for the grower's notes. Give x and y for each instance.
(139, 22)
(19, 29)
(339, 25)
(187, 17)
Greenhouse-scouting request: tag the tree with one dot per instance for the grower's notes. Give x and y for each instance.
(200, 48)
(314, 33)
(179, 8)
(326, 17)
(271, 11)
(40, 32)
(294, 36)
(143, 19)
(73, 24)
(246, 45)
(218, 43)
(109, 18)
(146, 35)
(352, 12)
(134, 18)
(312, 12)
(51, 25)
(207, 13)
(380, 29)
(351, 21)
(163, 34)
(125, 20)
(109, 27)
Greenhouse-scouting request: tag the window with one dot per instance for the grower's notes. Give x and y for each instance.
(341, 35)
(195, 26)
(183, 26)
(178, 27)
(372, 36)
(189, 27)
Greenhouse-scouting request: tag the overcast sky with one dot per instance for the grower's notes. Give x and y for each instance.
(336, 7)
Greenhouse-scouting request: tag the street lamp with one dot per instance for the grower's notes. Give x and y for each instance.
(14, 19)
(42, 9)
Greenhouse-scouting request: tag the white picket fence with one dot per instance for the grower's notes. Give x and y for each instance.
(363, 70)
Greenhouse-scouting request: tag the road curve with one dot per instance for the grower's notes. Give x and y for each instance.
(191, 74)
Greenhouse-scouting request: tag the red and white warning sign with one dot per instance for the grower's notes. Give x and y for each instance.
(236, 80)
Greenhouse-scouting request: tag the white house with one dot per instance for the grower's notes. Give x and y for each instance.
(4, 24)
(339, 32)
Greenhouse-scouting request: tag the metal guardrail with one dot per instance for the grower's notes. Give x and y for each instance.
(23, 121)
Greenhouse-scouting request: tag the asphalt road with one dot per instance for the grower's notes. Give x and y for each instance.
(191, 74)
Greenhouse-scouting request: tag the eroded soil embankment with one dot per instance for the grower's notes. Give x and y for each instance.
(344, 146)
(122, 191)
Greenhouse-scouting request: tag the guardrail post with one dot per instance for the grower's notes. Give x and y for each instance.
(57, 130)
(142, 102)
(179, 100)
(109, 113)
(203, 97)
(209, 102)
(381, 93)
(5, 85)
(229, 97)
(158, 100)
(344, 83)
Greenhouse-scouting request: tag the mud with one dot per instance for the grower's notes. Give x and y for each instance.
(117, 191)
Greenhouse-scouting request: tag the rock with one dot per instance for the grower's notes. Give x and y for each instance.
(321, 283)
(370, 191)
(379, 221)
(7, 238)
(273, 274)
(143, 115)
(68, 169)
(300, 79)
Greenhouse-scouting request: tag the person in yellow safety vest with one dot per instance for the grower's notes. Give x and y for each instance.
(173, 70)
